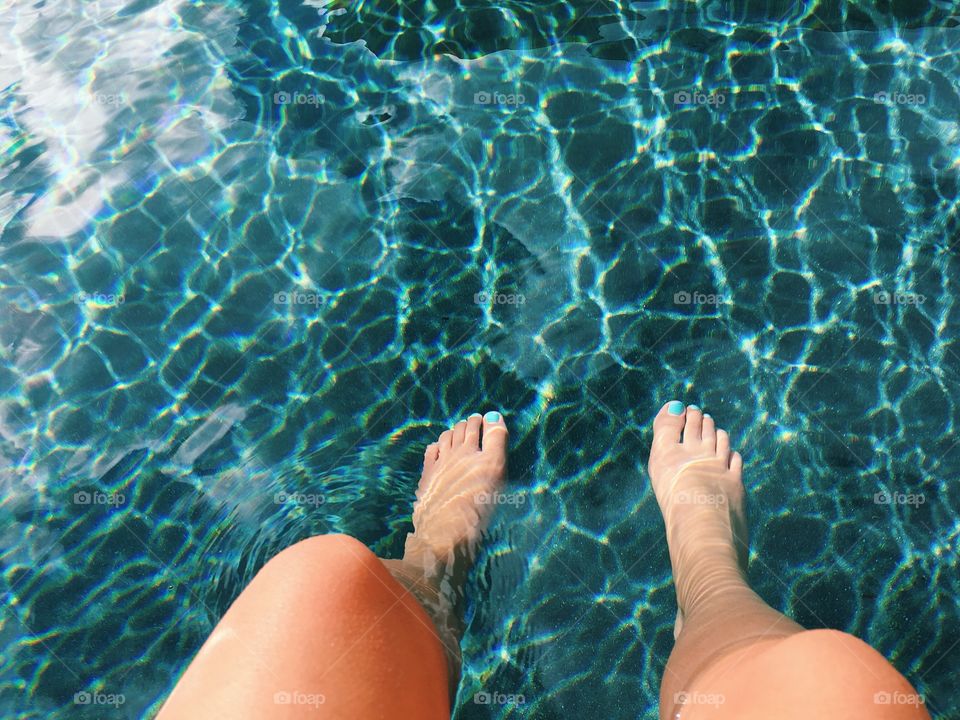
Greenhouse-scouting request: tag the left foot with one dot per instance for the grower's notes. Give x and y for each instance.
(463, 472)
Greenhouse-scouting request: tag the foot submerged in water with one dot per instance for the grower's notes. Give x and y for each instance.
(698, 485)
(463, 472)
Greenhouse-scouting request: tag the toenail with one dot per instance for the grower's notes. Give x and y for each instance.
(675, 407)
(707, 415)
(694, 407)
(492, 417)
(476, 415)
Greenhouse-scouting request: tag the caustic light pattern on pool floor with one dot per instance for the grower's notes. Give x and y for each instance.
(250, 263)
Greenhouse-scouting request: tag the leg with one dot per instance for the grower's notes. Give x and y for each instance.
(322, 631)
(736, 657)
(327, 630)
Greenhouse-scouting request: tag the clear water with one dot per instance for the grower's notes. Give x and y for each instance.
(241, 248)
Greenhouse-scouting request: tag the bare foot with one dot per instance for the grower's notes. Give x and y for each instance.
(697, 482)
(463, 472)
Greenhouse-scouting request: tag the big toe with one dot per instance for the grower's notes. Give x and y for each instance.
(669, 422)
(494, 437)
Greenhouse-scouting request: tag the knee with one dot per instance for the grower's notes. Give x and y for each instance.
(821, 645)
(333, 565)
(852, 663)
(321, 549)
(814, 673)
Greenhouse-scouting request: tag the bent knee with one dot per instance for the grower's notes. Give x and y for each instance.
(815, 673)
(848, 670)
(336, 567)
(342, 550)
(844, 656)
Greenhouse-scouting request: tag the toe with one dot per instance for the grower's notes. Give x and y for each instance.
(723, 444)
(494, 433)
(694, 426)
(472, 436)
(430, 456)
(459, 432)
(736, 462)
(445, 442)
(708, 433)
(668, 424)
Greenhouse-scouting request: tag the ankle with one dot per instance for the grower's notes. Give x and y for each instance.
(712, 587)
(417, 553)
(436, 582)
(706, 564)
(698, 533)
(433, 590)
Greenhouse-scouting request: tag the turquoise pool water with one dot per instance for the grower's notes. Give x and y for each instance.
(253, 256)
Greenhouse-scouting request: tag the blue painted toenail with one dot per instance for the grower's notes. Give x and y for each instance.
(675, 407)
(476, 415)
(693, 407)
(492, 417)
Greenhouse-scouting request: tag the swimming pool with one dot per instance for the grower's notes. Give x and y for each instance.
(255, 255)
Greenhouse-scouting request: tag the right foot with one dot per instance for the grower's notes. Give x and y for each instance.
(697, 482)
